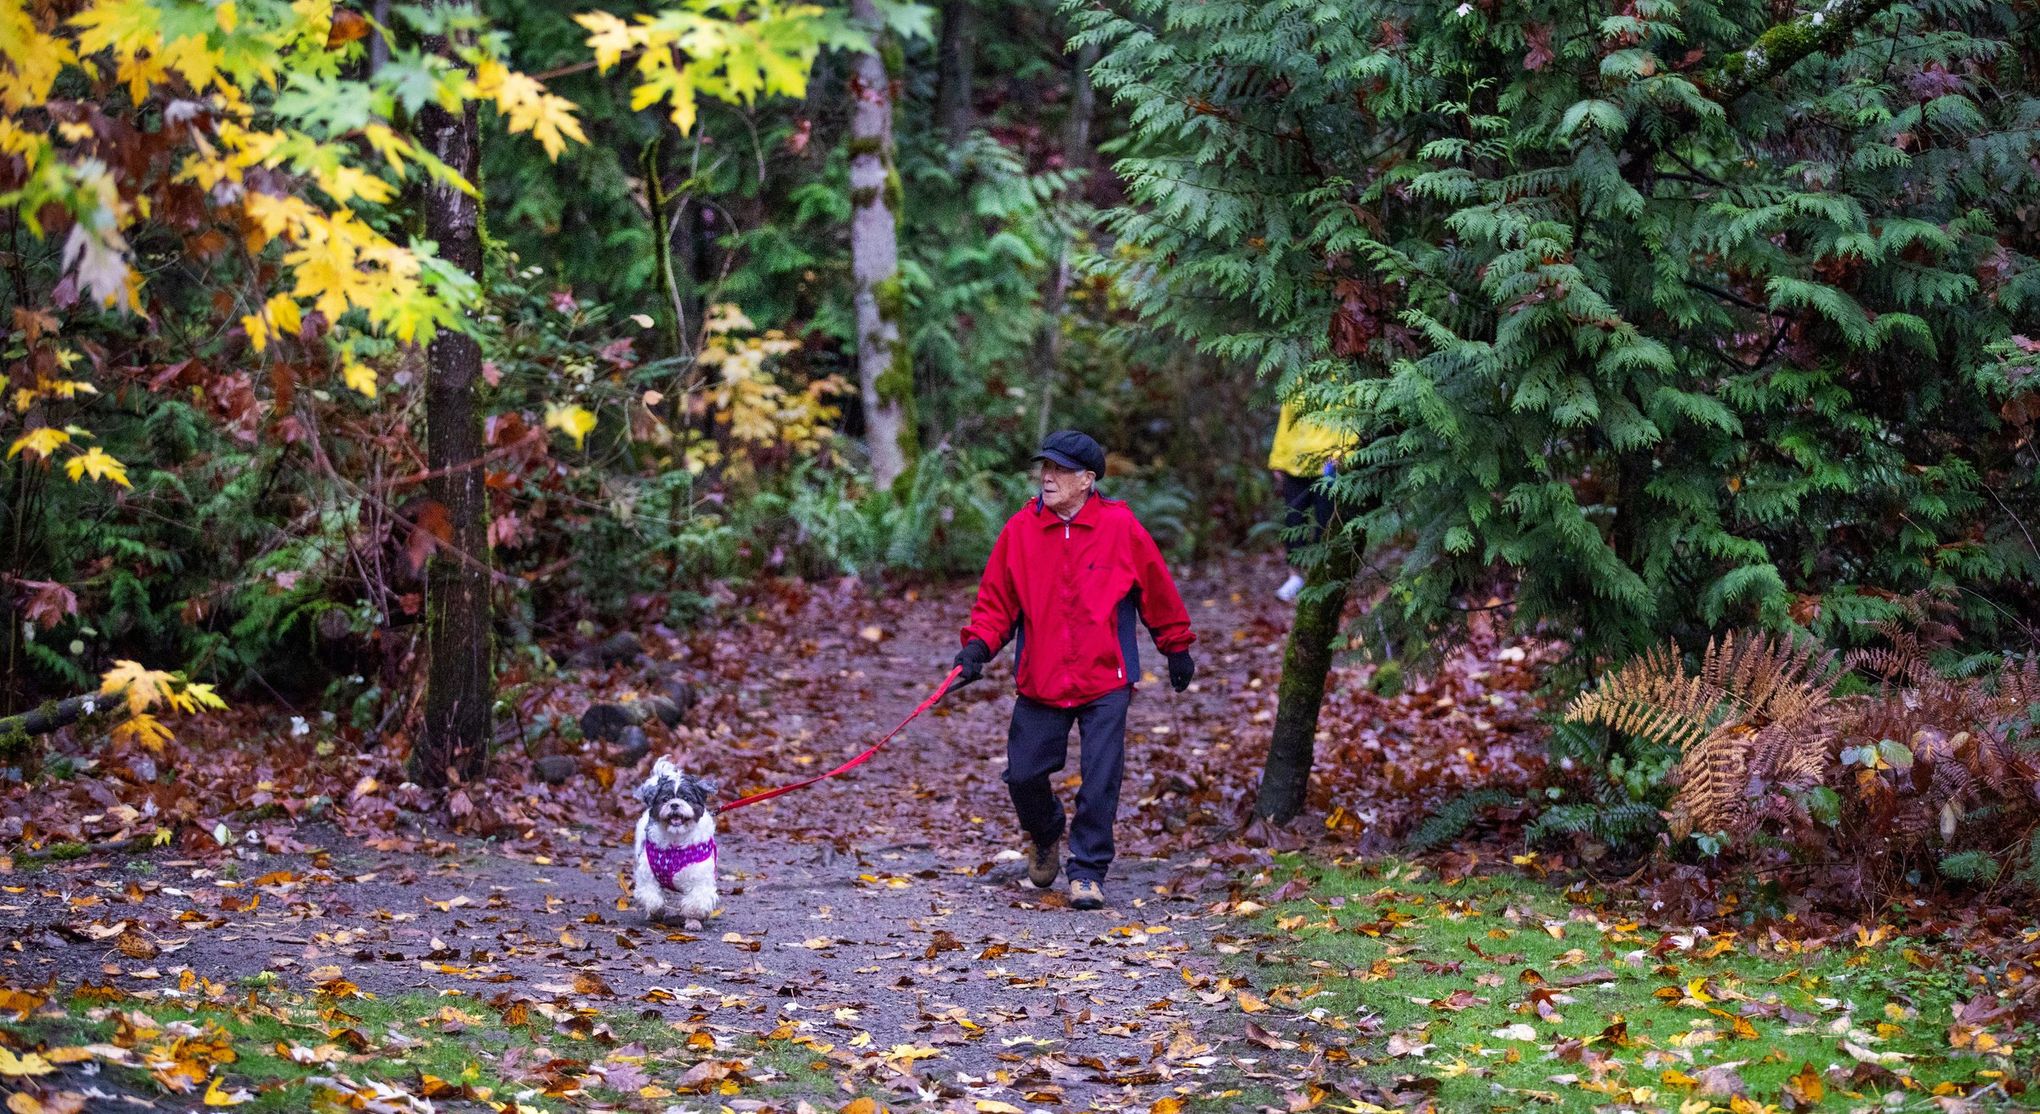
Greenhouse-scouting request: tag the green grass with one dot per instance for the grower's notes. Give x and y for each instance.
(1391, 942)
(241, 1039)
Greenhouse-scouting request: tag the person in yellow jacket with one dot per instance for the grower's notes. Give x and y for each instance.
(1305, 451)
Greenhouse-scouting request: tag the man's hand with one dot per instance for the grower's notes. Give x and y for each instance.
(1181, 669)
(971, 659)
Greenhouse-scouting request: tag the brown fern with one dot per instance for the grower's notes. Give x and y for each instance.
(1756, 712)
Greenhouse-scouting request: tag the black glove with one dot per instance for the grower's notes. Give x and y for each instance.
(971, 659)
(1181, 669)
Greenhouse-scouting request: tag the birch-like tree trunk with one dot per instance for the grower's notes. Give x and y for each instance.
(885, 372)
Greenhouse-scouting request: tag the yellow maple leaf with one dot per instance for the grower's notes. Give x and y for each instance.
(145, 729)
(42, 442)
(16, 1066)
(359, 377)
(100, 466)
(34, 59)
(573, 420)
(144, 687)
(387, 143)
(191, 696)
(609, 37)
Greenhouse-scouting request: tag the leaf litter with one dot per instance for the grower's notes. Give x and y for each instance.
(309, 929)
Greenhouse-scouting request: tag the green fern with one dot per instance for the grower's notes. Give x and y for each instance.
(1454, 817)
(1621, 824)
(1975, 868)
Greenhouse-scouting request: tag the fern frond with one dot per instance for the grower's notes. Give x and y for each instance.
(1454, 817)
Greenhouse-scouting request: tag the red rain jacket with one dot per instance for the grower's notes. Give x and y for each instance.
(1067, 593)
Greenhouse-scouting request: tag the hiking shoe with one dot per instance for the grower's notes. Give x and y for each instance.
(1086, 894)
(1044, 862)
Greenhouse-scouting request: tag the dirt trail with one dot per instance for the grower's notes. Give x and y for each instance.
(871, 911)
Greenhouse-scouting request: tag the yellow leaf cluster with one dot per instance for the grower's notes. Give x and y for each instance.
(30, 58)
(760, 411)
(143, 690)
(142, 687)
(177, 62)
(687, 53)
(528, 107)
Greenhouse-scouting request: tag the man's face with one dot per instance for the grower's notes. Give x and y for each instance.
(1062, 489)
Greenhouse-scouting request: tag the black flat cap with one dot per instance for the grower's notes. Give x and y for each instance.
(1073, 450)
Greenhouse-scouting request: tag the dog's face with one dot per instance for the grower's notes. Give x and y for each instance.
(673, 797)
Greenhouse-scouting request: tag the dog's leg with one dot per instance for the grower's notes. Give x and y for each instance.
(645, 888)
(650, 897)
(698, 896)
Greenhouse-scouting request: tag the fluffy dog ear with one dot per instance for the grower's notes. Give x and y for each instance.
(646, 791)
(710, 787)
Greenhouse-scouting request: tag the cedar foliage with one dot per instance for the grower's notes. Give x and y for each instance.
(1669, 345)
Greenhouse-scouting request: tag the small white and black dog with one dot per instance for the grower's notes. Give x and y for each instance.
(674, 857)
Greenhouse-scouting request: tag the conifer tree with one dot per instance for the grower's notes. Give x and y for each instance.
(1681, 317)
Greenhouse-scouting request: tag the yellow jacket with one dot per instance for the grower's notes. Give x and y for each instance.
(1301, 445)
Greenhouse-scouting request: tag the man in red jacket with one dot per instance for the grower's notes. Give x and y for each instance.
(1066, 579)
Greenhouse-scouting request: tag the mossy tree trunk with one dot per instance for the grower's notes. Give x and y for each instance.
(1306, 662)
(885, 371)
(457, 628)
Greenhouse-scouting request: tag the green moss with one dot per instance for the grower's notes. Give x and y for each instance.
(893, 57)
(891, 295)
(1387, 681)
(896, 385)
(866, 145)
(859, 198)
(897, 382)
(1797, 37)
(895, 193)
(58, 852)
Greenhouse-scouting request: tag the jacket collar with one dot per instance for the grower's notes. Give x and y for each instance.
(1086, 516)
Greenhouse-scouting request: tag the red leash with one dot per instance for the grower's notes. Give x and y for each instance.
(940, 691)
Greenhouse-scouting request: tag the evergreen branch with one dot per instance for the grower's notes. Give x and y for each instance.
(1733, 298)
(1784, 45)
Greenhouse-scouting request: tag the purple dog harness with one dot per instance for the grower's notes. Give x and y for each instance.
(667, 862)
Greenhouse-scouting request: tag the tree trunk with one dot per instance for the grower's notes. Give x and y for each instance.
(953, 96)
(673, 323)
(885, 371)
(378, 47)
(1076, 154)
(1083, 108)
(1306, 661)
(457, 694)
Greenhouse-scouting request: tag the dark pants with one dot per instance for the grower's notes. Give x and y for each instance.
(1307, 503)
(1037, 746)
